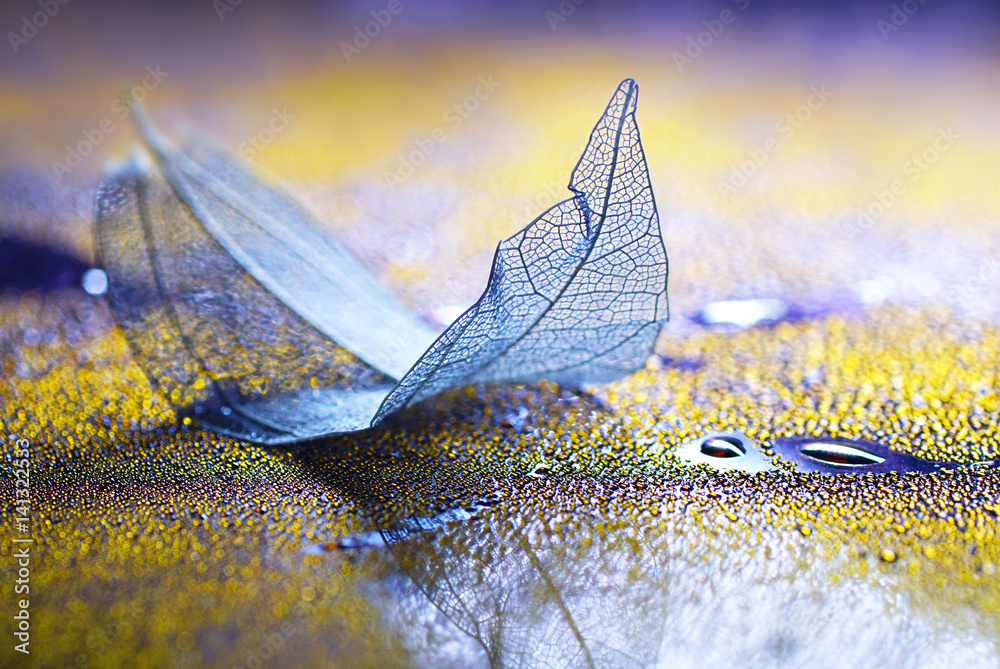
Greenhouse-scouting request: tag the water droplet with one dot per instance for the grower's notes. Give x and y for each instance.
(873, 291)
(836, 455)
(540, 471)
(723, 447)
(725, 450)
(839, 454)
(743, 313)
(95, 281)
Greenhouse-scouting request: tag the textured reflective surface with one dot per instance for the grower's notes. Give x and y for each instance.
(518, 520)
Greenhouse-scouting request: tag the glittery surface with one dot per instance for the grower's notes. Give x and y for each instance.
(528, 524)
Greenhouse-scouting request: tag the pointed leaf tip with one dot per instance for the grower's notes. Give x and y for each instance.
(627, 87)
(579, 295)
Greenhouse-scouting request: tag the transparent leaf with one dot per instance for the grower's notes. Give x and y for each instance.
(253, 322)
(578, 295)
(217, 343)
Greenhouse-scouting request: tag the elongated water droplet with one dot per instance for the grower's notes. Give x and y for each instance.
(839, 454)
(836, 455)
(743, 313)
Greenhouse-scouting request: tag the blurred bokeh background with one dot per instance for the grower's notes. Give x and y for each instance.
(341, 102)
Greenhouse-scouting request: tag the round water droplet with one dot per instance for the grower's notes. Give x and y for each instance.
(95, 281)
(725, 451)
(723, 447)
(540, 471)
